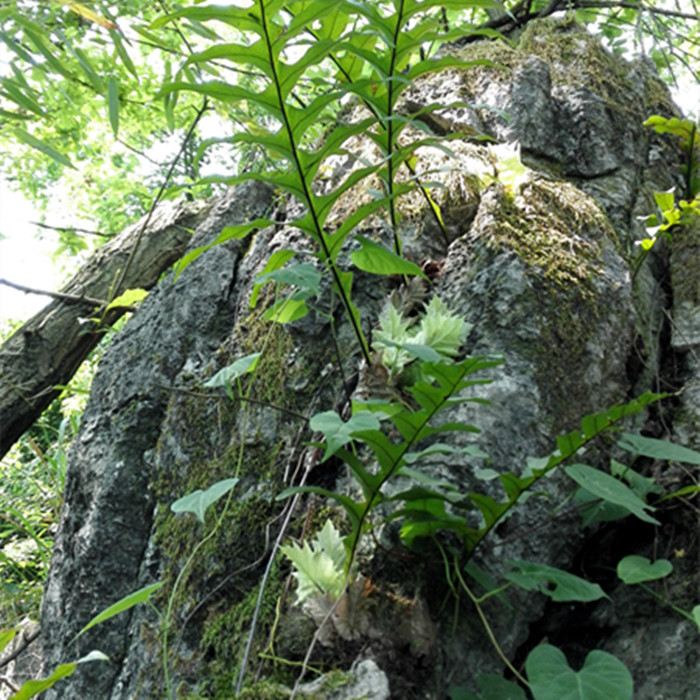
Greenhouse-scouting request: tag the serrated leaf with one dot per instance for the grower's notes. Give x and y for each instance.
(227, 375)
(441, 329)
(318, 571)
(610, 489)
(635, 569)
(330, 541)
(198, 501)
(566, 586)
(603, 677)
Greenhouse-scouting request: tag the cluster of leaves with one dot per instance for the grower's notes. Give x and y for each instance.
(31, 488)
(672, 209)
(429, 507)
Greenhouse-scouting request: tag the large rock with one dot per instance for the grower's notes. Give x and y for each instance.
(542, 271)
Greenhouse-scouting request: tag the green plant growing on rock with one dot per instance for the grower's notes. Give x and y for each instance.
(671, 213)
(377, 50)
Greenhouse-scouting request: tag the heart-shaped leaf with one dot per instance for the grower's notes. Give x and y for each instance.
(375, 258)
(610, 489)
(338, 432)
(634, 569)
(658, 449)
(603, 677)
(695, 613)
(226, 376)
(198, 501)
(566, 586)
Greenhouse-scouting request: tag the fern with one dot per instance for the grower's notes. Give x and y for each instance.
(377, 53)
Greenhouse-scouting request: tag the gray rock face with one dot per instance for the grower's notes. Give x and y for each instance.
(107, 517)
(543, 274)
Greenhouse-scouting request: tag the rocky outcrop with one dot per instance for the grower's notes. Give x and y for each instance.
(542, 271)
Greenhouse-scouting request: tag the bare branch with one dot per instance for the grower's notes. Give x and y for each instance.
(61, 296)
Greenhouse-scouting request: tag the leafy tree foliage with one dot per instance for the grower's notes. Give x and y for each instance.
(78, 87)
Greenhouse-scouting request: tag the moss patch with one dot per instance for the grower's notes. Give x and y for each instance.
(559, 233)
(209, 437)
(549, 226)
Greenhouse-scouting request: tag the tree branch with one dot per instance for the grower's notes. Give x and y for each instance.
(68, 298)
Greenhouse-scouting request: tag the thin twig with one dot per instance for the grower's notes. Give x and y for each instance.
(75, 229)
(61, 296)
(26, 640)
(185, 141)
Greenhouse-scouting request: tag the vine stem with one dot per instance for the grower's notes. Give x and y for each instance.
(171, 600)
(487, 627)
(390, 130)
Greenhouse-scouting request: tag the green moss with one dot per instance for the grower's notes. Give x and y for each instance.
(559, 233)
(685, 269)
(552, 227)
(219, 438)
(226, 633)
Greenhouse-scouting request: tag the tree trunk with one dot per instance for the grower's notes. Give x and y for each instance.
(44, 354)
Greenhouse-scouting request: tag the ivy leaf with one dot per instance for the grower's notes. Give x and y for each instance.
(595, 510)
(198, 501)
(277, 260)
(610, 489)
(227, 375)
(695, 614)
(337, 432)
(603, 677)
(538, 577)
(303, 275)
(635, 569)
